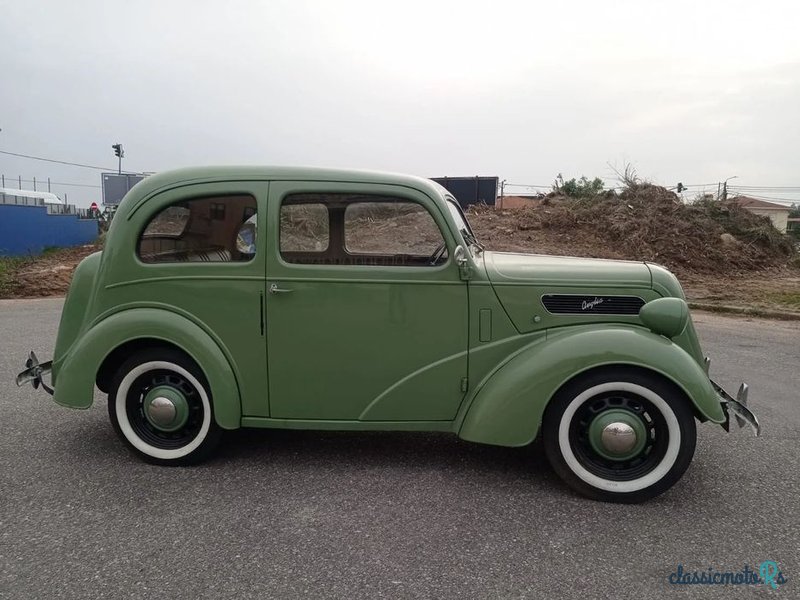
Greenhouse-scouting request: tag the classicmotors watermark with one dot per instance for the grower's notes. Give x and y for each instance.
(766, 573)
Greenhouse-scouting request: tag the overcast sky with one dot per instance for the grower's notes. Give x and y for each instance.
(693, 91)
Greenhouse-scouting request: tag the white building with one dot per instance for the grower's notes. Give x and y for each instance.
(778, 213)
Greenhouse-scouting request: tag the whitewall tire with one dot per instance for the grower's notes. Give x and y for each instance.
(619, 434)
(160, 405)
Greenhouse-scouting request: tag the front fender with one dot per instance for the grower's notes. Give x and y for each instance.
(507, 407)
(78, 369)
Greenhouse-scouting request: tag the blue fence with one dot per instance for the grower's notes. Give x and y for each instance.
(30, 229)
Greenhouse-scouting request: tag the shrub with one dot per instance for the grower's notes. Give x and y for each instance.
(578, 188)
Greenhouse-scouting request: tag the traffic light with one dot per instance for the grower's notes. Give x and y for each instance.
(118, 150)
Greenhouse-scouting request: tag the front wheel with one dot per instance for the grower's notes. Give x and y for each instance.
(160, 405)
(619, 435)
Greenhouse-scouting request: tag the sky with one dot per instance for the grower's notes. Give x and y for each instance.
(692, 92)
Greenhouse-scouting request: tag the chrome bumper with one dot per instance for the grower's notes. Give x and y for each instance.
(34, 373)
(737, 407)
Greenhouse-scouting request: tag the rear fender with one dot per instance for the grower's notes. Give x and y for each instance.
(507, 407)
(78, 369)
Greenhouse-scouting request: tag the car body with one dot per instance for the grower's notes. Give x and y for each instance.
(304, 298)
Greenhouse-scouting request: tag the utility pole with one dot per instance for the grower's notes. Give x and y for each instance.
(725, 187)
(119, 152)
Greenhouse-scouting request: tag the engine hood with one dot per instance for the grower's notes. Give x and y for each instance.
(565, 271)
(539, 291)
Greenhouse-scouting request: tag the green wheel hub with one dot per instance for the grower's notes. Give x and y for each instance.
(166, 408)
(617, 434)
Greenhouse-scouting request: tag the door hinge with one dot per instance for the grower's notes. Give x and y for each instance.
(464, 384)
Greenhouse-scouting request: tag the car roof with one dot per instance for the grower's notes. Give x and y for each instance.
(168, 179)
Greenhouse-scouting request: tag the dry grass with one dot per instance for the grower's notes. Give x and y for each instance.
(7, 268)
(790, 300)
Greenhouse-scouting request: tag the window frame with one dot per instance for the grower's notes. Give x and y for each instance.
(390, 195)
(200, 195)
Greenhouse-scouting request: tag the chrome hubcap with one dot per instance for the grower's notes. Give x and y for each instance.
(165, 408)
(162, 411)
(618, 437)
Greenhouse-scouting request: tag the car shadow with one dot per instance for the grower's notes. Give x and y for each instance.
(95, 446)
(409, 450)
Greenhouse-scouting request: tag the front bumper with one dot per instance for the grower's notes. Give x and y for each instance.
(34, 373)
(737, 407)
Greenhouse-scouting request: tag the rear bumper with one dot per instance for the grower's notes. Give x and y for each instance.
(737, 408)
(34, 373)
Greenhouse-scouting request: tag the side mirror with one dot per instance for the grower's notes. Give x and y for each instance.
(462, 261)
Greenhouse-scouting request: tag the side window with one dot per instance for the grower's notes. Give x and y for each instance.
(211, 229)
(358, 229)
(396, 232)
(304, 229)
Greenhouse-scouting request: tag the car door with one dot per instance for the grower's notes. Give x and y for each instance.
(201, 253)
(362, 322)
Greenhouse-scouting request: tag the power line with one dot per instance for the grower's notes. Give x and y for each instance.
(44, 181)
(61, 162)
(527, 185)
(755, 191)
(767, 187)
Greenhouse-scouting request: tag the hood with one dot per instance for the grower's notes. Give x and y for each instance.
(538, 291)
(565, 271)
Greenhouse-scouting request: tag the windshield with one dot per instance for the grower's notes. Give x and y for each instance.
(463, 225)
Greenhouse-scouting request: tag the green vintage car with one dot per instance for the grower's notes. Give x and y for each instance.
(301, 298)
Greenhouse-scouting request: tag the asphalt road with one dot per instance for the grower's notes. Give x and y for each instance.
(388, 515)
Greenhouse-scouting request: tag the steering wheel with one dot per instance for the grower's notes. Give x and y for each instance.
(437, 253)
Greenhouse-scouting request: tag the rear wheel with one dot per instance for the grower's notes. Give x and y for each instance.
(160, 406)
(619, 435)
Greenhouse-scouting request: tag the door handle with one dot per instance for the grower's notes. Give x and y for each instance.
(274, 289)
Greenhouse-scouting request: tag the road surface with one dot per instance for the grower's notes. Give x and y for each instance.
(288, 514)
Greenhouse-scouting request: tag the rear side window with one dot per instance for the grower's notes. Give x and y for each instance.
(211, 229)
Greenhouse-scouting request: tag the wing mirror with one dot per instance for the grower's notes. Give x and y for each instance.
(462, 261)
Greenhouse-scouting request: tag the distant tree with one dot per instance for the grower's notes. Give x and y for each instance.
(794, 211)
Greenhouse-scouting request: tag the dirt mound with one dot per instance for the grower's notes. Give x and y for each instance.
(645, 222)
(46, 275)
